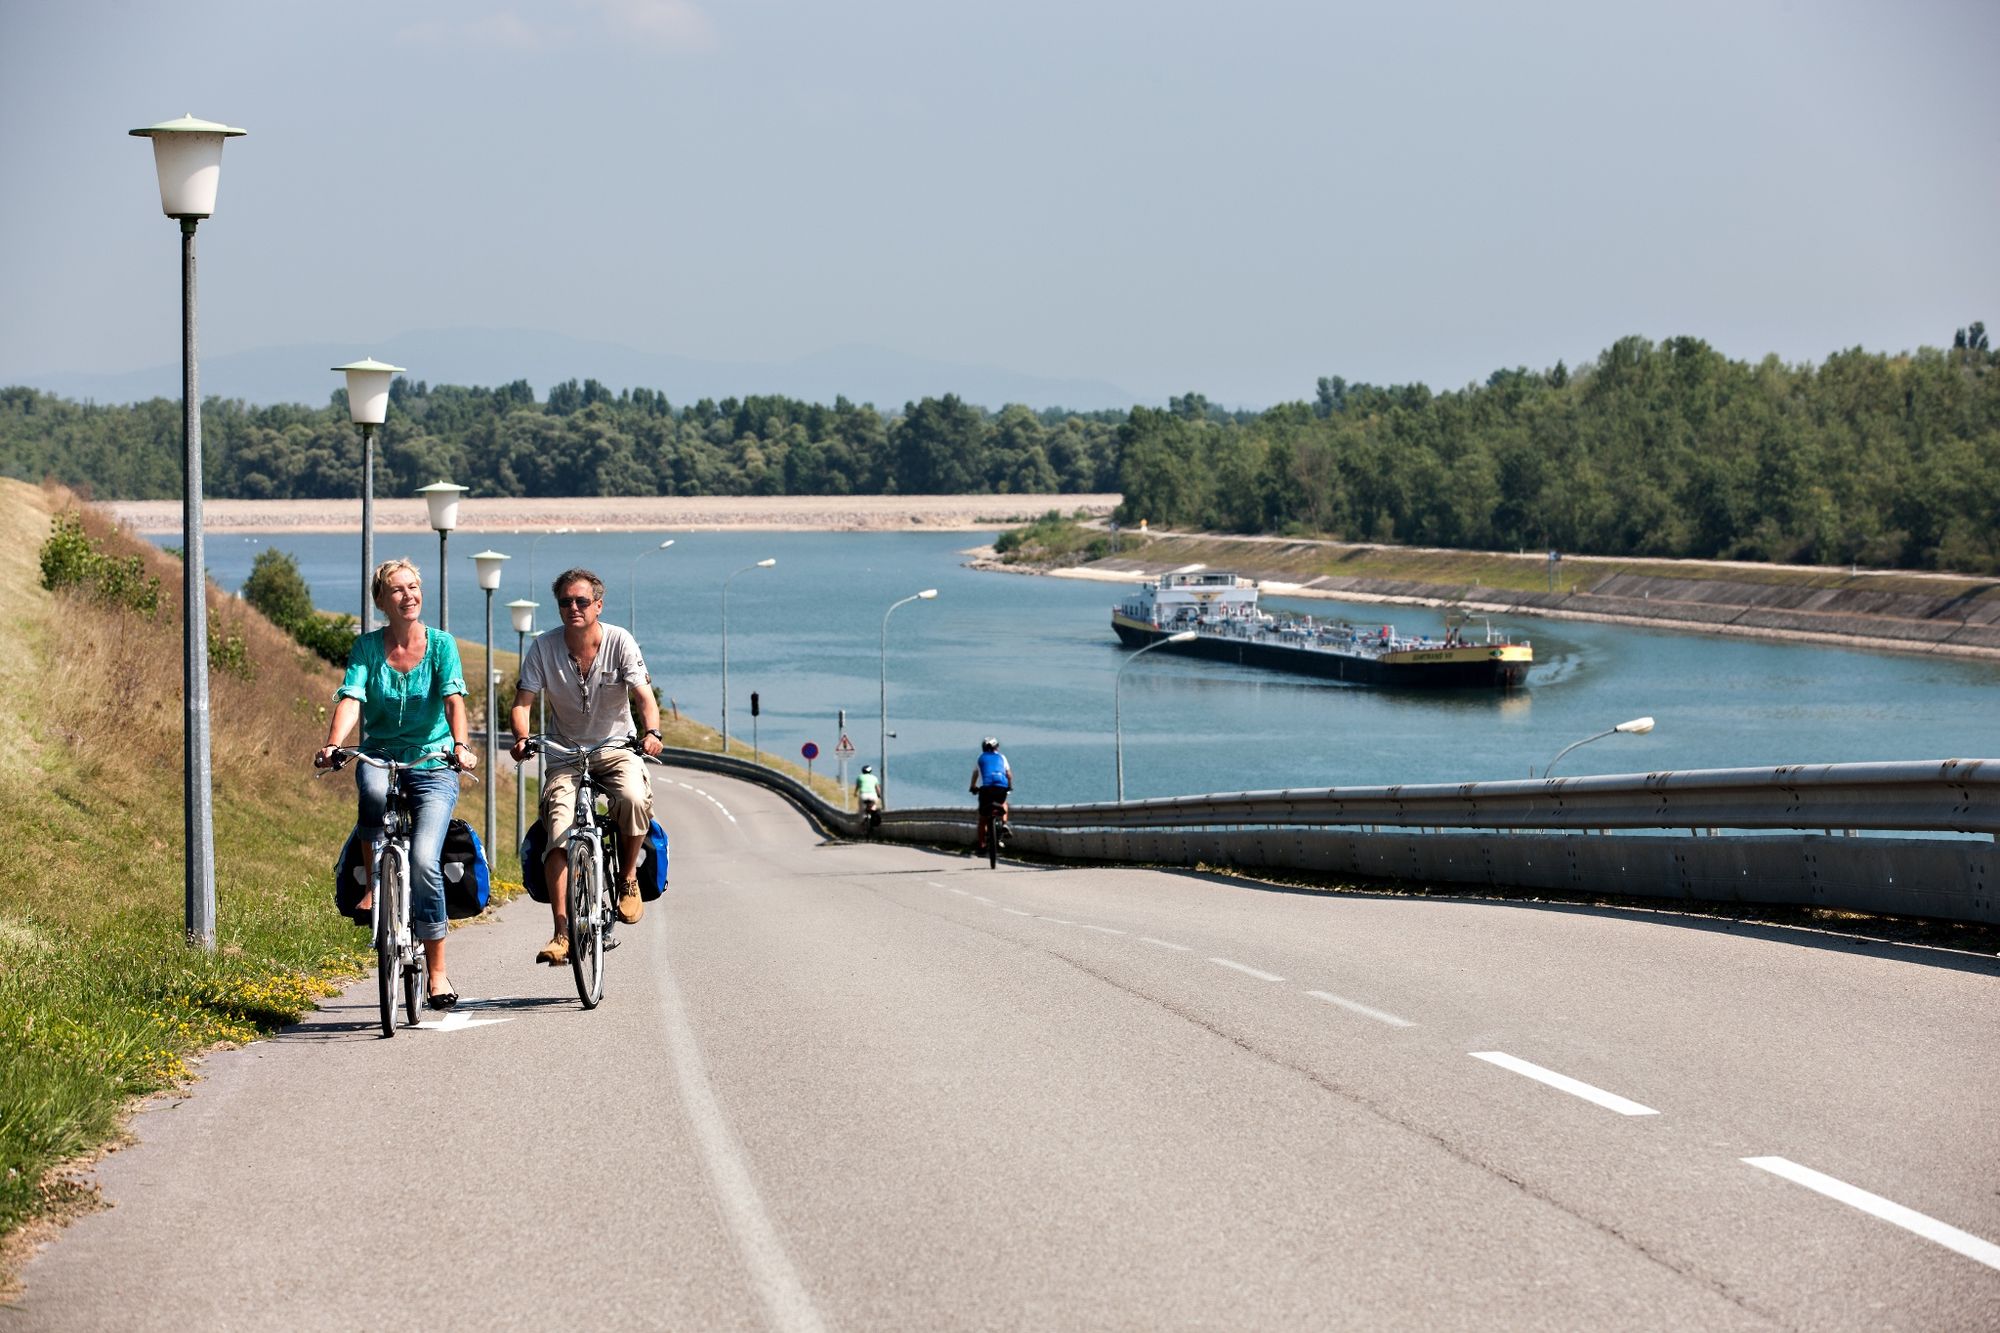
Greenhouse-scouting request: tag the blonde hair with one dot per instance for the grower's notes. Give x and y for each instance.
(387, 570)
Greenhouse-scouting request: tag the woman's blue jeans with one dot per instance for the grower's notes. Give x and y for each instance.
(433, 793)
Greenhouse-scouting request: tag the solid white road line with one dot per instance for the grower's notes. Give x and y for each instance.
(1610, 1101)
(1103, 930)
(1378, 1015)
(787, 1307)
(1965, 1243)
(1165, 944)
(1247, 970)
(1058, 920)
(1015, 911)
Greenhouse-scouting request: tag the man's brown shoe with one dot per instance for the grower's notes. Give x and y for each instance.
(630, 906)
(555, 953)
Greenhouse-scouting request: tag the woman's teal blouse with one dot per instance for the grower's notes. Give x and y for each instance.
(402, 712)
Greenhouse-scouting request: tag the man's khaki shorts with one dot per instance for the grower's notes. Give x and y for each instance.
(620, 775)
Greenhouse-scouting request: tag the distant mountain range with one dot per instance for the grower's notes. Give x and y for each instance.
(488, 357)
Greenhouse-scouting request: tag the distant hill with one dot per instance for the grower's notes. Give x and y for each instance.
(300, 374)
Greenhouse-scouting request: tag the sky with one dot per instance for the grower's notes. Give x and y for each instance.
(1233, 199)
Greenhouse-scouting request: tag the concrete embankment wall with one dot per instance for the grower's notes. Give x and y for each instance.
(1959, 616)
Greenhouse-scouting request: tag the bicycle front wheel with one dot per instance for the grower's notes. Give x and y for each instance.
(586, 925)
(390, 892)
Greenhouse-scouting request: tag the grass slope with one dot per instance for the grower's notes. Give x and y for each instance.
(101, 998)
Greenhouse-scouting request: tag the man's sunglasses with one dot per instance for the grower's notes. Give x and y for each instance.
(574, 603)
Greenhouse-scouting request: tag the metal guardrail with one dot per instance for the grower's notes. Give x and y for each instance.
(1535, 834)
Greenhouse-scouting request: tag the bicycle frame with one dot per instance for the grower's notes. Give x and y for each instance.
(593, 863)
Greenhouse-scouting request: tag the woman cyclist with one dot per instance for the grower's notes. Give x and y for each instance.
(405, 685)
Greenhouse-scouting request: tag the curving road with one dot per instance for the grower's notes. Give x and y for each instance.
(856, 1087)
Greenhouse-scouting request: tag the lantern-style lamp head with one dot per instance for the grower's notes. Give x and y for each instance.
(442, 498)
(523, 612)
(188, 155)
(489, 563)
(368, 390)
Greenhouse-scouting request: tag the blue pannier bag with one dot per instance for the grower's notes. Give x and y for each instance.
(468, 886)
(350, 878)
(533, 847)
(652, 863)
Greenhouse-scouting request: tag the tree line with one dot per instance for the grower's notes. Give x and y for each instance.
(1664, 449)
(1654, 449)
(584, 440)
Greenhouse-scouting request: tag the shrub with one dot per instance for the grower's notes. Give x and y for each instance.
(276, 588)
(70, 559)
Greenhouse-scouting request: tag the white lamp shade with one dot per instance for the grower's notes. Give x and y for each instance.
(442, 499)
(368, 390)
(523, 612)
(489, 563)
(187, 153)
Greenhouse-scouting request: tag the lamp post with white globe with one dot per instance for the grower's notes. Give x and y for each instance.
(187, 157)
(441, 498)
(489, 563)
(523, 612)
(368, 407)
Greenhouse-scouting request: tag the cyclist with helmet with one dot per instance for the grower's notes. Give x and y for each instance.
(868, 794)
(992, 780)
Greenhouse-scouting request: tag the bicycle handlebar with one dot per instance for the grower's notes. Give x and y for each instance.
(343, 753)
(557, 750)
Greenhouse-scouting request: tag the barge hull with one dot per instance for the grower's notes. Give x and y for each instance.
(1470, 667)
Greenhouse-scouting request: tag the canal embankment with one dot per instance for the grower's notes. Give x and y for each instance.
(1894, 610)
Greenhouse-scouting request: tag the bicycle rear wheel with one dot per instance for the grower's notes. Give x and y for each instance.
(586, 926)
(389, 894)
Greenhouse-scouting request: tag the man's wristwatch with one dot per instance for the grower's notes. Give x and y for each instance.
(654, 732)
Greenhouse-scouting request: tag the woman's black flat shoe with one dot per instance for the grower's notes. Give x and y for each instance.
(444, 999)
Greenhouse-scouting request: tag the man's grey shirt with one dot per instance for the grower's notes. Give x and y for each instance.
(583, 710)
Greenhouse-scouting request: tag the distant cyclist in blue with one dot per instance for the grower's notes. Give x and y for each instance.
(992, 779)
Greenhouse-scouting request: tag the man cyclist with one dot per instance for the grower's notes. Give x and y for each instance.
(868, 794)
(992, 779)
(590, 675)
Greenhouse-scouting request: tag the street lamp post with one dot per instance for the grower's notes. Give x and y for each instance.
(761, 564)
(537, 541)
(368, 407)
(882, 741)
(488, 563)
(1638, 726)
(441, 498)
(523, 612)
(632, 581)
(187, 157)
(1117, 713)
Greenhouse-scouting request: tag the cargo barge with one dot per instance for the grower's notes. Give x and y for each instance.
(1221, 611)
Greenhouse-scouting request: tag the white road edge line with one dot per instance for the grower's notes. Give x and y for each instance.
(787, 1307)
(1247, 970)
(1164, 944)
(1610, 1101)
(1015, 911)
(1106, 930)
(1963, 1242)
(1378, 1015)
(1058, 920)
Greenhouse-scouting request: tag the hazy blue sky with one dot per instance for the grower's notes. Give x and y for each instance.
(1229, 197)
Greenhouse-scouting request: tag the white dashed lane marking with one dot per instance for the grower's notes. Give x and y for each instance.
(1378, 1015)
(1247, 970)
(1963, 1242)
(1165, 944)
(1610, 1101)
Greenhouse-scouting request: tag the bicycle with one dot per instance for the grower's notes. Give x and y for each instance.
(993, 832)
(400, 961)
(593, 868)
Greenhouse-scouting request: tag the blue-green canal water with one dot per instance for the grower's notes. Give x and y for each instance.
(1032, 660)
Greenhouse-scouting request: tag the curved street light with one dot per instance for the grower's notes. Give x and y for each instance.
(761, 564)
(632, 582)
(538, 540)
(1117, 715)
(882, 742)
(187, 158)
(1638, 726)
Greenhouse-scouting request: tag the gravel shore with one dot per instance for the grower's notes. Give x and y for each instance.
(782, 513)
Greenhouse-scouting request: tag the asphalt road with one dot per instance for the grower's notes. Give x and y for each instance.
(839, 1086)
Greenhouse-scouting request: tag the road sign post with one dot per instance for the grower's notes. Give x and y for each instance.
(843, 752)
(811, 752)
